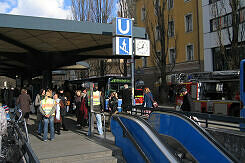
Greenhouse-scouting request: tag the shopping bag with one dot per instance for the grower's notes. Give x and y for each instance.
(32, 108)
(155, 104)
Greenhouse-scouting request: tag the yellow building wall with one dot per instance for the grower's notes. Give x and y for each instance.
(181, 38)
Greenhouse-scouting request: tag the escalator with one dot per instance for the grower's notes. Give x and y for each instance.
(197, 141)
(139, 141)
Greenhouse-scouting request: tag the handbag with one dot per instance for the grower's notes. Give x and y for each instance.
(32, 108)
(154, 103)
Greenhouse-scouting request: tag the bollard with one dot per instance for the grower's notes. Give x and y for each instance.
(89, 124)
(104, 126)
(242, 115)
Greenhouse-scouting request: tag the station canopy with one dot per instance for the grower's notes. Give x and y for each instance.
(31, 45)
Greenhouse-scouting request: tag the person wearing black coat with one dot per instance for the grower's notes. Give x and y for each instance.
(113, 104)
(126, 99)
(187, 101)
(63, 110)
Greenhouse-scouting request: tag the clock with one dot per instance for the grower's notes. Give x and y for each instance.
(142, 47)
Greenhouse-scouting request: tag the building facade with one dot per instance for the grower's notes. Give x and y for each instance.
(183, 39)
(220, 35)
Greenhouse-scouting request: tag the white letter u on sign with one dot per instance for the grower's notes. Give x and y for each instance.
(120, 27)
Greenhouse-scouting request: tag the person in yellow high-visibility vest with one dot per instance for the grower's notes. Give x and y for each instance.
(95, 112)
(48, 111)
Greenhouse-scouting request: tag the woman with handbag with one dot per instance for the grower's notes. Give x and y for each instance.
(148, 100)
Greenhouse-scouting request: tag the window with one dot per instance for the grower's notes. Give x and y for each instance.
(143, 14)
(157, 33)
(189, 53)
(213, 1)
(171, 56)
(144, 61)
(187, 0)
(170, 4)
(221, 22)
(171, 28)
(242, 15)
(188, 23)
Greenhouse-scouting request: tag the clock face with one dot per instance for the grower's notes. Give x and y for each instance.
(142, 47)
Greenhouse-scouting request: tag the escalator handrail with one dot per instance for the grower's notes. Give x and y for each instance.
(160, 144)
(131, 138)
(202, 131)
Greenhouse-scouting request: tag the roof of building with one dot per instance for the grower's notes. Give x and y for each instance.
(32, 44)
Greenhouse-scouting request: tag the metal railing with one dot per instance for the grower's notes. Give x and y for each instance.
(19, 128)
(203, 118)
(126, 133)
(30, 156)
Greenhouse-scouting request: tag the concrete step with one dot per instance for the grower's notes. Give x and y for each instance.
(103, 157)
(100, 160)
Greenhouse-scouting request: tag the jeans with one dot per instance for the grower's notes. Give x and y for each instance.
(0, 145)
(92, 116)
(49, 120)
(40, 127)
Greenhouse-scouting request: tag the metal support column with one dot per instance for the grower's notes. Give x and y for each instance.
(132, 73)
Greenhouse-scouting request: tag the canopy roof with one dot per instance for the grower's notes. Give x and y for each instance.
(29, 45)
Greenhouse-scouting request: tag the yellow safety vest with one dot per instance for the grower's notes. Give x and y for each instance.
(47, 105)
(96, 98)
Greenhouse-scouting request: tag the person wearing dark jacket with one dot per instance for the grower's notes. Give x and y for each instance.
(112, 104)
(24, 101)
(187, 101)
(84, 108)
(126, 99)
(37, 103)
(63, 110)
(148, 98)
(78, 101)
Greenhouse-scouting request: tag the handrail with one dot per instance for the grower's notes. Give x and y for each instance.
(32, 157)
(210, 138)
(211, 117)
(128, 134)
(205, 116)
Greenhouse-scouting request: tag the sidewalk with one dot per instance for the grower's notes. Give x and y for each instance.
(167, 106)
(73, 145)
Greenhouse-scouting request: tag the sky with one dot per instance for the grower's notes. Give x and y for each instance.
(41, 8)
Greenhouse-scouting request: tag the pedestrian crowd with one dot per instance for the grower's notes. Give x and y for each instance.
(51, 107)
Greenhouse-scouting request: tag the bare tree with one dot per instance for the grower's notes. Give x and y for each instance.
(126, 8)
(99, 11)
(158, 32)
(228, 25)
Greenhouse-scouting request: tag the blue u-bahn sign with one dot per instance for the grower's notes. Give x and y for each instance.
(123, 27)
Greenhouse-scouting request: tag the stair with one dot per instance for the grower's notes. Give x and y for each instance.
(98, 157)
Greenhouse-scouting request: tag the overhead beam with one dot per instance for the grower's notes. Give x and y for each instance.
(19, 44)
(77, 51)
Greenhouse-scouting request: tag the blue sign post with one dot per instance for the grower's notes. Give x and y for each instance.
(123, 45)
